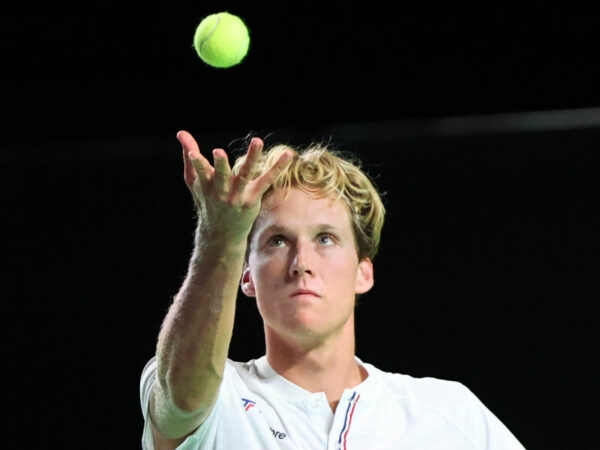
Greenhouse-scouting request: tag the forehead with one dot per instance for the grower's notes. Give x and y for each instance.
(301, 207)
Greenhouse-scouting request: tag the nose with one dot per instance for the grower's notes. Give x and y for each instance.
(300, 264)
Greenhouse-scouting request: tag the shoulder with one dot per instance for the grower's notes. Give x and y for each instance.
(446, 402)
(427, 389)
(447, 399)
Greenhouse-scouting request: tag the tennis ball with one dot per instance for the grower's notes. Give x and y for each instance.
(222, 40)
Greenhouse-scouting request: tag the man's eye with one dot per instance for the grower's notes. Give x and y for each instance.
(276, 241)
(325, 239)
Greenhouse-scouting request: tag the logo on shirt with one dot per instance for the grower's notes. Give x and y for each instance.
(249, 404)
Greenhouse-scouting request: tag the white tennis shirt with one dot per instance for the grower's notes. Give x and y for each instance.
(257, 409)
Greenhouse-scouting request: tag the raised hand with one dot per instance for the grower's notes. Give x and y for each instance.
(227, 204)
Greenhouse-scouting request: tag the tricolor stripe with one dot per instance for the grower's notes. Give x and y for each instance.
(348, 421)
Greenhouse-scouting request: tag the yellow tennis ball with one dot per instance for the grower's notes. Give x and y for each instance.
(222, 40)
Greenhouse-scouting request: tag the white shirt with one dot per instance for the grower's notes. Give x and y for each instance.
(257, 409)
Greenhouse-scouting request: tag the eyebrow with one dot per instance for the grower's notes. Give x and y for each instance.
(280, 229)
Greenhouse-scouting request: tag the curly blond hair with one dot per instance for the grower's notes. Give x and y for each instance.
(325, 171)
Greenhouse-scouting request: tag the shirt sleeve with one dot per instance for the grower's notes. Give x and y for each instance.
(146, 381)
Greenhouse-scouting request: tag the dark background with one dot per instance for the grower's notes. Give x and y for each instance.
(481, 125)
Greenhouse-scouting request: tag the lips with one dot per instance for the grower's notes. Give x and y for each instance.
(304, 292)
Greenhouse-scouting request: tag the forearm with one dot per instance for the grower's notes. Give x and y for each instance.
(193, 343)
(194, 340)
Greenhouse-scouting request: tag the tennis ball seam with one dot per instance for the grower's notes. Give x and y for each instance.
(208, 36)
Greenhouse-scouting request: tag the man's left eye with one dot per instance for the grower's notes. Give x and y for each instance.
(325, 239)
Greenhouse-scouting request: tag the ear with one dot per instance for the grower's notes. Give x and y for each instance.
(246, 283)
(364, 276)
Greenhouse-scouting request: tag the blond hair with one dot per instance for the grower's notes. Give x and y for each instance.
(321, 170)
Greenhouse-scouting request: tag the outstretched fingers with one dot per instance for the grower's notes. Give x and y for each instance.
(219, 179)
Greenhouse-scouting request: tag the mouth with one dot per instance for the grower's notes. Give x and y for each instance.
(302, 292)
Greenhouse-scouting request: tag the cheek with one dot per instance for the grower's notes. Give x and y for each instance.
(266, 270)
(345, 263)
(345, 274)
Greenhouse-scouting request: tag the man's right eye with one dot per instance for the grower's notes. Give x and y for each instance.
(276, 241)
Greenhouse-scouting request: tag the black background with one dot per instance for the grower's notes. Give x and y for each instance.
(482, 127)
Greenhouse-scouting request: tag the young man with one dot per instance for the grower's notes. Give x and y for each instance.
(299, 229)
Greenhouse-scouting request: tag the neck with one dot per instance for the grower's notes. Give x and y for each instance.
(328, 367)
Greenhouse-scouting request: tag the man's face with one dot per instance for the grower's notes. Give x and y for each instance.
(303, 265)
